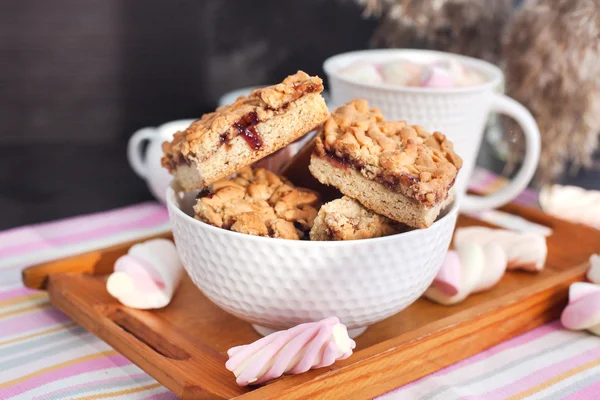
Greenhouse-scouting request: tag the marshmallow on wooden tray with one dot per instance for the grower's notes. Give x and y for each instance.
(572, 203)
(583, 310)
(472, 268)
(147, 276)
(593, 274)
(482, 256)
(294, 351)
(525, 251)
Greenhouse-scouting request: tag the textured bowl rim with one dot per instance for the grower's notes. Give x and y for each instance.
(332, 67)
(171, 195)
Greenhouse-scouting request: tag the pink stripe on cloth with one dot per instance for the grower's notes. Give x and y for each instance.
(153, 219)
(9, 294)
(538, 377)
(482, 179)
(62, 373)
(18, 236)
(166, 395)
(530, 194)
(31, 321)
(591, 392)
(527, 197)
(92, 383)
(520, 340)
(514, 342)
(33, 233)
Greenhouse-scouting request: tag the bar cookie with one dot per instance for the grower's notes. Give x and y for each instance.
(400, 171)
(347, 219)
(234, 136)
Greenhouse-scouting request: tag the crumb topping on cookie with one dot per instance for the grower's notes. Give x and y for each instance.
(346, 219)
(258, 202)
(203, 137)
(406, 158)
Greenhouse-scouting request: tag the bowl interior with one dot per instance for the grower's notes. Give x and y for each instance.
(182, 203)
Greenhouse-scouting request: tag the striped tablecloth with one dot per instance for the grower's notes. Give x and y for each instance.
(45, 355)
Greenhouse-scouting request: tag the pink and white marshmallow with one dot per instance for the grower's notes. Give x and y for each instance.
(471, 269)
(436, 77)
(363, 72)
(481, 258)
(294, 351)
(525, 251)
(583, 310)
(147, 276)
(403, 72)
(572, 203)
(462, 76)
(593, 274)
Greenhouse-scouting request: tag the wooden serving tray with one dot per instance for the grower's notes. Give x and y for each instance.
(184, 345)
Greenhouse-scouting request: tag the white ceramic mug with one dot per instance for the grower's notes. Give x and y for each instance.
(147, 163)
(461, 113)
(231, 97)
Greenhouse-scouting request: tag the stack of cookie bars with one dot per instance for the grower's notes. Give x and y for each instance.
(393, 176)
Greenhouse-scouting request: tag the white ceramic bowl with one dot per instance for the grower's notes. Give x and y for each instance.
(276, 283)
(231, 97)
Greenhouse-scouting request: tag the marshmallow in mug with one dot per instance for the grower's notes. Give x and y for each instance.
(439, 74)
(147, 276)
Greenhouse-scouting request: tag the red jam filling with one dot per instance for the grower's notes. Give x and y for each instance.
(246, 126)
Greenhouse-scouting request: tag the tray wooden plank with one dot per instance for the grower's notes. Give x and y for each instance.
(184, 345)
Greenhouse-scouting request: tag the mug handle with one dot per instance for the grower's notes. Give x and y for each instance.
(505, 105)
(134, 153)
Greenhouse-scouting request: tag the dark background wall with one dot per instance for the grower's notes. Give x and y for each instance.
(77, 78)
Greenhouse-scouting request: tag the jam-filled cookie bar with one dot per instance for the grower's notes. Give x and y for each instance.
(234, 136)
(400, 171)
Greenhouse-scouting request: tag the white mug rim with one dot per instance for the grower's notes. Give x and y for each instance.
(163, 129)
(333, 65)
